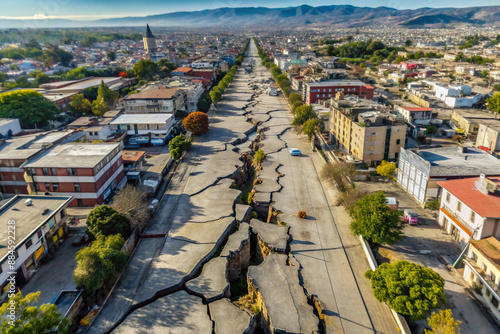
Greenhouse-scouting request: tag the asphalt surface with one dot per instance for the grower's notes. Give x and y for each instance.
(197, 215)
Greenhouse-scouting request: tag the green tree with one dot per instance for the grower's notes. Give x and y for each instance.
(99, 106)
(42, 78)
(495, 87)
(296, 104)
(107, 94)
(146, 69)
(30, 318)
(107, 221)
(329, 50)
(204, 102)
(408, 43)
(409, 289)
(294, 97)
(485, 74)
(493, 103)
(215, 95)
(311, 126)
(196, 122)
(90, 93)
(302, 114)
(32, 109)
(373, 219)
(111, 55)
(386, 169)
(181, 142)
(3, 77)
(100, 263)
(443, 323)
(80, 106)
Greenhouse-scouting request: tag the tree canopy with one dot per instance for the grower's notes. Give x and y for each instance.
(196, 122)
(386, 169)
(373, 219)
(146, 69)
(409, 288)
(105, 100)
(311, 126)
(32, 109)
(107, 221)
(493, 103)
(132, 202)
(303, 114)
(443, 323)
(80, 106)
(294, 97)
(100, 263)
(30, 318)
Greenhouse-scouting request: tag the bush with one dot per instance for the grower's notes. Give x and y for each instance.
(259, 157)
(254, 215)
(432, 205)
(431, 129)
(107, 221)
(302, 214)
(295, 105)
(386, 169)
(196, 122)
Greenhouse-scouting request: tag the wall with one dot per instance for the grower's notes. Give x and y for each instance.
(13, 126)
(418, 100)
(397, 140)
(413, 174)
(488, 137)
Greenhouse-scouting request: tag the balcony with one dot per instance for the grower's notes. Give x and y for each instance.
(483, 277)
(457, 219)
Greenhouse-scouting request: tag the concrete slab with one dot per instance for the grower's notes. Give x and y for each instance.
(234, 242)
(212, 282)
(242, 212)
(228, 318)
(283, 297)
(274, 236)
(179, 313)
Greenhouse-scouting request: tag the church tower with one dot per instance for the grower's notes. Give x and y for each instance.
(149, 41)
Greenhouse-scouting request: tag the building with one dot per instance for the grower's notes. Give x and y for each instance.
(414, 114)
(39, 225)
(164, 100)
(133, 160)
(149, 41)
(482, 272)
(488, 135)
(419, 170)
(364, 129)
(470, 208)
(327, 89)
(182, 71)
(87, 172)
(16, 151)
(9, 126)
(95, 128)
(145, 128)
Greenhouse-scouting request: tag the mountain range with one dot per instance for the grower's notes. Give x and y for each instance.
(323, 16)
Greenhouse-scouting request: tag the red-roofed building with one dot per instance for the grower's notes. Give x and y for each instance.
(205, 73)
(413, 113)
(470, 208)
(182, 71)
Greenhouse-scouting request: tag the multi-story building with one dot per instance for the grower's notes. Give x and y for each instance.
(16, 151)
(365, 129)
(164, 100)
(470, 208)
(87, 172)
(149, 41)
(39, 225)
(144, 128)
(323, 90)
(420, 169)
(414, 114)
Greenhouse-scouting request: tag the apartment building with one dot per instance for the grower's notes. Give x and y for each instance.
(39, 226)
(144, 128)
(323, 90)
(164, 100)
(87, 172)
(365, 129)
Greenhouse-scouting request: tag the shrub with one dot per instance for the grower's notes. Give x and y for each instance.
(254, 215)
(386, 169)
(196, 122)
(432, 205)
(302, 214)
(107, 221)
(259, 157)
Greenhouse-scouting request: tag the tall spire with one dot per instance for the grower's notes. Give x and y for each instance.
(149, 34)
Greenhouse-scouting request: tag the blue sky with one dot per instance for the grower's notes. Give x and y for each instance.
(87, 9)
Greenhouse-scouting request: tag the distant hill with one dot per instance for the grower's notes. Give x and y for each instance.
(335, 16)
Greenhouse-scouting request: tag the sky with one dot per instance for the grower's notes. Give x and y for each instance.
(93, 9)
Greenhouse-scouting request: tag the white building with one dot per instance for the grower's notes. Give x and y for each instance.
(165, 100)
(9, 126)
(146, 128)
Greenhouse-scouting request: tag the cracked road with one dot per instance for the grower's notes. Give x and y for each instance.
(198, 213)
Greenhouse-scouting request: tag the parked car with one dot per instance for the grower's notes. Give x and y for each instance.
(410, 217)
(295, 151)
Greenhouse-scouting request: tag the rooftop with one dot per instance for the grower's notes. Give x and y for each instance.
(490, 247)
(23, 147)
(337, 83)
(132, 155)
(449, 161)
(28, 218)
(73, 155)
(159, 94)
(142, 119)
(485, 205)
(183, 69)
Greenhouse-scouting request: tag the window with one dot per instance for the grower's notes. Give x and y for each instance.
(71, 171)
(79, 201)
(63, 214)
(45, 171)
(37, 187)
(493, 277)
(53, 171)
(29, 244)
(39, 233)
(47, 186)
(398, 141)
(51, 223)
(55, 186)
(77, 187)
(372, 148)
(448, 197)
(33, 171)
(459, 206)
(472, 216)
(14, 178)
(483, 266)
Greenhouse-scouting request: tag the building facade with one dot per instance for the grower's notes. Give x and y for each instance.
(327, 89)
(165, 100)
(87, 172)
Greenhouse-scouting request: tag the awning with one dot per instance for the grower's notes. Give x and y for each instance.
(457, 222)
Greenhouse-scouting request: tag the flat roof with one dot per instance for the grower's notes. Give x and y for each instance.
(23, 147)
(156, 118)
(336, 83)
(490, 247)
(164, 93)
(89, 82)
(448, 161)
(485, 205)
(132, 155)
(28, 218)
(183, 69)
(73, 155)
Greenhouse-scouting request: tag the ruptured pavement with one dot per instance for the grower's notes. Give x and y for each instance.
(300, 276)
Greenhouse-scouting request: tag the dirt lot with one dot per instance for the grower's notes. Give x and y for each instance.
(430, 246)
